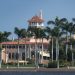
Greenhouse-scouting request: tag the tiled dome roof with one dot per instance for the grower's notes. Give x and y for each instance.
(36, 19)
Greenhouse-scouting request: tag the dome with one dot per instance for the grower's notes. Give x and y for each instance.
(35, 19)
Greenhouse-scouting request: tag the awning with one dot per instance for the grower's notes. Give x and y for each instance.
(46, 54)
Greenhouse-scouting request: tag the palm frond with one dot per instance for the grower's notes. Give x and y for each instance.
(63, 20)
(73, 19)
(50, 22)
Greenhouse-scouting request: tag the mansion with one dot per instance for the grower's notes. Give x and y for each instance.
(26, 48)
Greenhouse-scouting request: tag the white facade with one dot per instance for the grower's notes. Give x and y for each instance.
(37, 25)
(10, 50)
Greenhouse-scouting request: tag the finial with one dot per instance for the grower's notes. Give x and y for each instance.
(41, 14)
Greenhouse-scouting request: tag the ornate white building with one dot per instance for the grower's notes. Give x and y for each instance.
(10, 49)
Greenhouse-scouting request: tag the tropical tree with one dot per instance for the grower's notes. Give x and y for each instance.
(57, 32)
(25, 34)
(3, 37)
(65, 28)
(71, 31)
(50, 36)
(6, 35)
(42, 36)
(34, 33)
(38, 33)
(18, 32)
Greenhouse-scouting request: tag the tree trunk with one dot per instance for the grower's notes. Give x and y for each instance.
(18, 53)
(52, 49)
(42, 50)
(25, 50)
(72, 55)
(39, 54)
(56, 48)
(70, 42)
(30, 51)
(58, 56)
(57, 52)
(66, 45)
(35, 52)
(71, 50)
(72, 59)
(0, 55)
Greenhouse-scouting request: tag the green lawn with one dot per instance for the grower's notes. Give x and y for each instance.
(15, 65)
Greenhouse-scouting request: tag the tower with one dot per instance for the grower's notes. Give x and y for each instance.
(36, 21)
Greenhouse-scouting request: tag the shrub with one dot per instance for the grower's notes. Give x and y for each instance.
(30, 61)
(52, 64)
(40, 65)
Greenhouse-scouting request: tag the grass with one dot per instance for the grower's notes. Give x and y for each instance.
(15, 65)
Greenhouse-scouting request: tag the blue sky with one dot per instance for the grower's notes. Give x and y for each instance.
(15, 13)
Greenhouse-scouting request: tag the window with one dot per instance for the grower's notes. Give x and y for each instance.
(9, 46)
(13, 46)
(9, 56)
(23, 46)
(3, 46)
(20, 46)
(13, 55)
(16, 46)
(40, 46)
(23, 56)
(17, 56)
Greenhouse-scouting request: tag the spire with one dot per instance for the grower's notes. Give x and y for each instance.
(40, 14)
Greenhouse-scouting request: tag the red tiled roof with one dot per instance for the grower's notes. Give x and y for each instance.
(36, 19)
(14, 43)
(9, 43)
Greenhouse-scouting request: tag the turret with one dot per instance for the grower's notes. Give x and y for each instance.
(36, 21)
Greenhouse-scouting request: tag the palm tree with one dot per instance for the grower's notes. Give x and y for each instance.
(50, 36)
(37, 33)
(18, 32)
(71, 31)
(34, 32)
(25, 34)
(29, 35)
(65, 28)
(41, 35)
(1, 39)
(57, 32)
(68, 27)
(4, 37)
